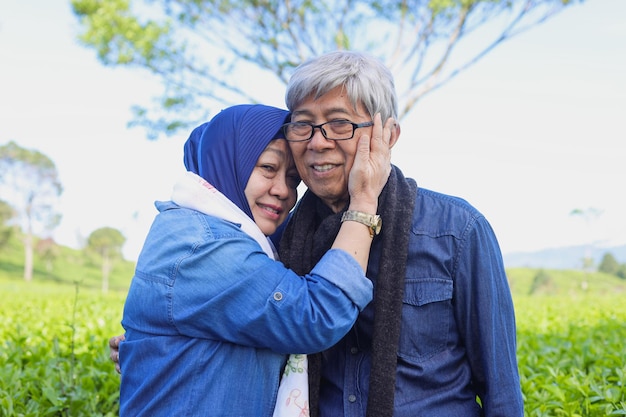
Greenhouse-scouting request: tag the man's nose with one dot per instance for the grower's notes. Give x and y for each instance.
(318, 140)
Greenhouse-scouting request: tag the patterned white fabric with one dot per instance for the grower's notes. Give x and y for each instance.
(293, 391)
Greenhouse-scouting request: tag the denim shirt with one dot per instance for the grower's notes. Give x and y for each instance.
(210, 318)
(458, 337)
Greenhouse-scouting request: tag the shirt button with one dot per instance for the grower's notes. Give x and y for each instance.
(278, 296)
(352, 398)
(354, 350)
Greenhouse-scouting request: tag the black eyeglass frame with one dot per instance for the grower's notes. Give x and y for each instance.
(355, 126)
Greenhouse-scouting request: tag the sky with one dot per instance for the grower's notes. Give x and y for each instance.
(532, 132)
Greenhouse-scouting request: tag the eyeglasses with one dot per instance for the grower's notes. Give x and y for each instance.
(333, 130)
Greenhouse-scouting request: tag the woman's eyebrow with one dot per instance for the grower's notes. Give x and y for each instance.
(279, 152)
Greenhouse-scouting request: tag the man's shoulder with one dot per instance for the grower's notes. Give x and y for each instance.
(438, 214)
(427, 200)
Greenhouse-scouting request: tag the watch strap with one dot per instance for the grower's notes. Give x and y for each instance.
(372, 221)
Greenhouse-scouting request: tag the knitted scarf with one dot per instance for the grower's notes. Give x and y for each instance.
(311, 232)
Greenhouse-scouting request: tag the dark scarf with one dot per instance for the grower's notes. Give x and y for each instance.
(311, 232)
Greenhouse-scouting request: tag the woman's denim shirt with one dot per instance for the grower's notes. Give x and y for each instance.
(457, 338)
(210, 318)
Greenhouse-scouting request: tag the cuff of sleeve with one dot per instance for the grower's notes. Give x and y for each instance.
(339, 267)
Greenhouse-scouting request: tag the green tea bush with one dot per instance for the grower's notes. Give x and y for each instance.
(571, 355)
(54, 352)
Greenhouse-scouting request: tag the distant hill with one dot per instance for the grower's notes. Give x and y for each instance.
(569, 257)
(67, 267)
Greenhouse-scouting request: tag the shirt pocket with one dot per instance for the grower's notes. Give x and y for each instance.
(426, 318)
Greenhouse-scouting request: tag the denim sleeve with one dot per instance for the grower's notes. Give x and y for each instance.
(229, 290)
(486, 318)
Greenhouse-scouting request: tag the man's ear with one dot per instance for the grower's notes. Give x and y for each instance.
(395, 135)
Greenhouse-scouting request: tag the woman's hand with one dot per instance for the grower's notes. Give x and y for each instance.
(114, 351)
(372, 165)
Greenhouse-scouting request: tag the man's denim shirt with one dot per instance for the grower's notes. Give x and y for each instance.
(210, 318)
(457, 337)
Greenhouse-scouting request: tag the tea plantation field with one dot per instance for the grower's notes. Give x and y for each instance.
(571, 355)
(54, 353)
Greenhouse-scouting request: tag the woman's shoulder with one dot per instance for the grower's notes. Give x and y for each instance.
(177, 229)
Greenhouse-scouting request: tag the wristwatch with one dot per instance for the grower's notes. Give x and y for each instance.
(372, 221)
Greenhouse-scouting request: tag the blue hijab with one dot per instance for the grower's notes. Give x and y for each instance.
(225, 150)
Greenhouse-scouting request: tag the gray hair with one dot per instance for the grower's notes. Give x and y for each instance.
(365, 79)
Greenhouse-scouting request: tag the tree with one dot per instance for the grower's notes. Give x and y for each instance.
(541, 282)
(609, 264)
(6, 214)
(107, 242)
(195, 47)
(29, 181)
(589, 214)
(48, 251)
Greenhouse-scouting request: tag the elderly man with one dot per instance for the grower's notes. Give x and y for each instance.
(439, 337)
